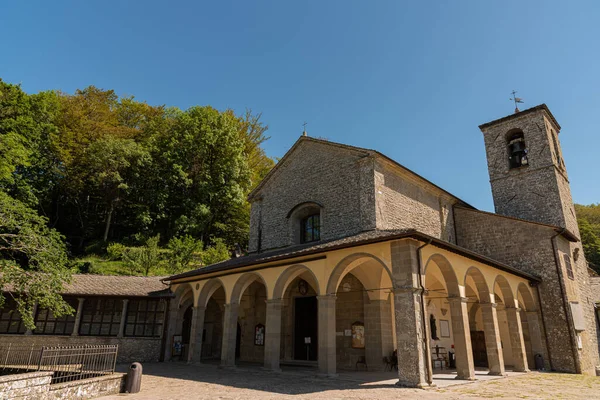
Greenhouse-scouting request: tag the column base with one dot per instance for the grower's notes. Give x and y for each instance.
(471, 378)
(406, 384)
(228, 367)
(497, 374)
(522, 370)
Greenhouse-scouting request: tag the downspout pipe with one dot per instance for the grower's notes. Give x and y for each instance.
(563, 296)
(423, 315)
(539, 297)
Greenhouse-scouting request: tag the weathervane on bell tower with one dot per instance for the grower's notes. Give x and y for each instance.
(516, 100)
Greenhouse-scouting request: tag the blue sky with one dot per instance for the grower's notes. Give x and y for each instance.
(410, 79)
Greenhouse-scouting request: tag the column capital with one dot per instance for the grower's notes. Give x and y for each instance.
(199, 308)
(488, 304)
(408, 289)
(531, 312)
(274, 301)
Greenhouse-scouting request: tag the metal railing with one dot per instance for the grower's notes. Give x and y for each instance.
(69, 363)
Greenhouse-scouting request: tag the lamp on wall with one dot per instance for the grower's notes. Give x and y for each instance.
(576, 254)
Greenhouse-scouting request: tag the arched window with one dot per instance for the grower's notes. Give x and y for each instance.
(311, 228)
(306, 222)
(517, 150)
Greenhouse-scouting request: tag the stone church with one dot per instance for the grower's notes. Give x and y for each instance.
(357, 262)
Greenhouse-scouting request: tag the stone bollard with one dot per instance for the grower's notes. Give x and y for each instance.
(134, 378)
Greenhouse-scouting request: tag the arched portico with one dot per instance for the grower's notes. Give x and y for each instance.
(530, 321)
(184, 298)
(504, 291)
(253, 288)
(485, 305)
(357, 300)
(442, 287)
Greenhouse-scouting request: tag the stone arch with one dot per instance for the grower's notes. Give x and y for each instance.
(289, 275)
(242, 284)
(297, 214)
(481, 285)
(447, 271)
(208, 290)
(352, 263)
(506, 291)
(182, 294)
(526, 296)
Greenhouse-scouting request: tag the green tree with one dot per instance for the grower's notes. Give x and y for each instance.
(216, 253)
(112, 164)
(145, 258)
(33, 260)
(182, 252)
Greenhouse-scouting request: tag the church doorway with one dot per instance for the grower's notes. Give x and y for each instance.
(479, 349)
(186, 328)
(305, 328)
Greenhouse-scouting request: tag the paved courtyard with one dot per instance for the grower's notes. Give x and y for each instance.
(181, 381)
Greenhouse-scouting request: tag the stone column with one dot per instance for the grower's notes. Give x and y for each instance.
(535, 333)
(378, 333)
(515, 331)
(410, 331)
(78, 316)
(493, 343)
(195, 351)
(230, 319)
(327, 342)
(123, 318)
(273, 335)
(465, 368)
(171, 327)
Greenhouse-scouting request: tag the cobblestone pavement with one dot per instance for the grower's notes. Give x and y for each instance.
(180, 381)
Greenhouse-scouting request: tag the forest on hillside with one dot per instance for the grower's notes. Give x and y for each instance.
(121, 186)
(588, 219)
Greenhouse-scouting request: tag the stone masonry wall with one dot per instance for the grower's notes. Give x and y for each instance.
(530, 192)
(251, 313)
(402, 201)
(349, 308)
(527, 246)
(130, 349)
(31, 385)
(315, 172)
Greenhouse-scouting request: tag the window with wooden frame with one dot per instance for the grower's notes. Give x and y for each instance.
(10, 318)
(101, 316)
(311, 228)
(47, 324)
(568, 266)
(145, 317)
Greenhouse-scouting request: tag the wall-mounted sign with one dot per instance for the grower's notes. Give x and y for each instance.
(444, 328)
(358, 335)
(259, 335)
(177, 345)
(307, 340)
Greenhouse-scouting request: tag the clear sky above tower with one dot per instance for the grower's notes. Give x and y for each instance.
(410, 79)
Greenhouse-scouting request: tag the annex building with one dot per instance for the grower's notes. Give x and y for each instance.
(355, 260)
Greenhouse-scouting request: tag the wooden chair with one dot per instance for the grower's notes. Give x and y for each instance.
(362, 360)
(388, 363)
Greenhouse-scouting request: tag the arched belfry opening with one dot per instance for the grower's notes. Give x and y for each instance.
(517, 149)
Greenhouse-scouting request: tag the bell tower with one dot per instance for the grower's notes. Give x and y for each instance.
(527, 171)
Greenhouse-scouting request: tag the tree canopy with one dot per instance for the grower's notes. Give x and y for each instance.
(156, 189)
(588, 218)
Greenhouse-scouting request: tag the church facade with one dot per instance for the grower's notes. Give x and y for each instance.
(357, 262)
